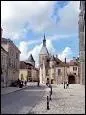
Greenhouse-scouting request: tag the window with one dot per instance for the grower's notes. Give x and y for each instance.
(16, 55)
(59, 71)
(74, 68)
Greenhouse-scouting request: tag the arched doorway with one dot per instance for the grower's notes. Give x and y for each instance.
(71, 79)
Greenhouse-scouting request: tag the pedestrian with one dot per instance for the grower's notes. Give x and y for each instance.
(18, 82)
(50, 89)
(22, 83)
(67, 84)
(25, 83)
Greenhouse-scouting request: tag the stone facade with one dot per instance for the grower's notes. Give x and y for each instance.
(28, 70)
(82, 42)
(13, 60)
(53, 69)
(50, 67)
(73, 70)
(4, 58)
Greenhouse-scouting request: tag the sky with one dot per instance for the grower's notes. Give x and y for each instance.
(25, 22)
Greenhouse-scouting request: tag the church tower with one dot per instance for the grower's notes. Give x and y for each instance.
(43, 56)
(44, 52)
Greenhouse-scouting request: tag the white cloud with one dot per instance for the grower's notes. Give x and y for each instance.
(35, 51)
(60, 37)
(66, 53)
(37, 16)
(69, 16)
(23, 47)
(25, 52)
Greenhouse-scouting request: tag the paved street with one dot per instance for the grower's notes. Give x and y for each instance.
(21, 101)
(64, 101)
(33, 100)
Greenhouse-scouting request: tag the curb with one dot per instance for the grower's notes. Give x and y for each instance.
(15, 90)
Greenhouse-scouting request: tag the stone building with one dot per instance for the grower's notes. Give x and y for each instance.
(50, 67)
(4, 58)
(13, 59)
(28, 71)
(53, 69)
(73, 71)
(82, 42)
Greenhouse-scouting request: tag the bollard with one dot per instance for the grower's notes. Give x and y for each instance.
(64, 85)
(48, 103)
(50, 95)
(51, 90)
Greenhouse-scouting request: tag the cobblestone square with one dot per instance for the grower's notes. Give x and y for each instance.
(64, 101)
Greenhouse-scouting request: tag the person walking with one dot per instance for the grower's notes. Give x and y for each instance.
(25, 83)
(67, 84)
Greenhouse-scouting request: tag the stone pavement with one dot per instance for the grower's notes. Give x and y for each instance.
(64, 101)
(8, 90)
(22, 101)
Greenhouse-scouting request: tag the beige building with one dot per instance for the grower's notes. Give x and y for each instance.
(28, 72)
(82, 42)
(73, 71)
(4, 58)
(13, 59)
(51, 68)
